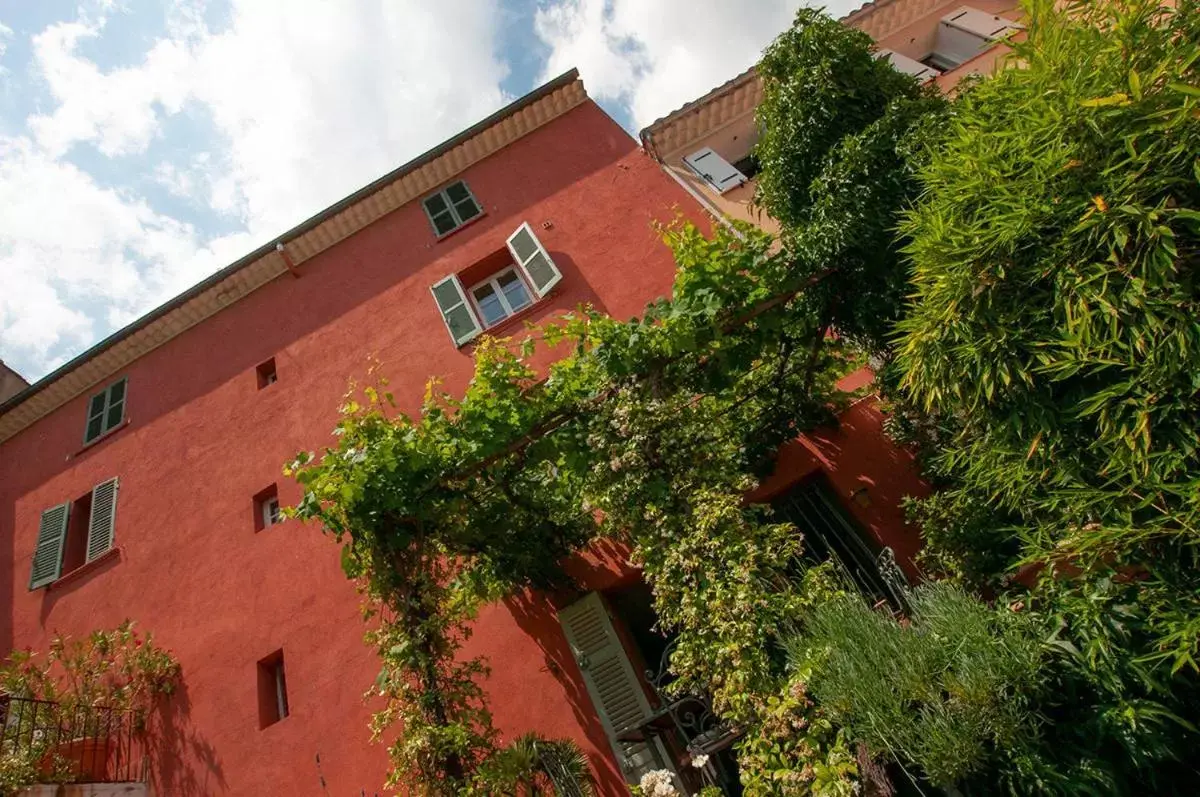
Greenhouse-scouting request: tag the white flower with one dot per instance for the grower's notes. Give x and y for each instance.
(658, 783)
(700, 761)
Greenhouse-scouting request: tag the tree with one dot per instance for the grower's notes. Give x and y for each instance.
(841, 135)
(1054, 256)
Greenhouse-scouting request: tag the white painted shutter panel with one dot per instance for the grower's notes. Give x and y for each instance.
(47, 556)
(719, 172)
(532, 258)
(103, 522)
(611, 681)
(456, 312)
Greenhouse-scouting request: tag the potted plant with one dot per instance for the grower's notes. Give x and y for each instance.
(91, 689)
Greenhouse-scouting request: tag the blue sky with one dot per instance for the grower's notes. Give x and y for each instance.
(145, 144)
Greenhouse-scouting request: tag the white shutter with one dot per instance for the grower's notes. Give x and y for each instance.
(531, 257)
(611, 682)
(456, 312)
(103, 522)
(718, 172)
(47, 556)
(902, 63)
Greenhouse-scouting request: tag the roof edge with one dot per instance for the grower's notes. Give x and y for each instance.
(566, 78)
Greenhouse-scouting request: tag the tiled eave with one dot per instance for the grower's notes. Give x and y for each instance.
(701, 118)
(411, 181)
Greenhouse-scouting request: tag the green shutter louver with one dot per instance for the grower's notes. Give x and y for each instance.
(458, 315)
(102, 526)
(532, 259)
(612, 683)
(47, 556)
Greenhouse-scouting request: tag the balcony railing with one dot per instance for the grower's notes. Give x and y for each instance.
(58, 743)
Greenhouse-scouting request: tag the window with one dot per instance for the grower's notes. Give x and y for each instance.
(272, 690)
(529, 276)
(266, 508)
(451, 208)
(74, 533)
(500, 296)
(748, 166)
(715, 170)
(106, 410)
(266, 373)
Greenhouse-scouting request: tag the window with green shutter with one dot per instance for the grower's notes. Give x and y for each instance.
(74, 533)
(106, 410)
(52, 537)
(451, 208)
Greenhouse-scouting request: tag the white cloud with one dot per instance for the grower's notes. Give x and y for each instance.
(655, 55)
(292, 105)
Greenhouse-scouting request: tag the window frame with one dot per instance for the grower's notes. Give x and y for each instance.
(271, 512)
(459, 221)
(494, 281)
(106, 429)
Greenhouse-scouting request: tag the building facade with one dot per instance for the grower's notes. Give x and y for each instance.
(143, 479)
(707, 144)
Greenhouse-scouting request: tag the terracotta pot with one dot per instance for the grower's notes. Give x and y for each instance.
(86, 759)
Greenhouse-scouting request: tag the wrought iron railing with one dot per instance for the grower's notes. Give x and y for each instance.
(60, 743)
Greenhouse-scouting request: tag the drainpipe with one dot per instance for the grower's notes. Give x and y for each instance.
(287, 260)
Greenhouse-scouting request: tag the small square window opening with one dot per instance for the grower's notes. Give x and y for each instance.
(272, 690)
(267, 508)
(451, 208)
(106, 410)
(266, 373)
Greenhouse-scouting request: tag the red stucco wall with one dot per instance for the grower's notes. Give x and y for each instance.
(202, 440)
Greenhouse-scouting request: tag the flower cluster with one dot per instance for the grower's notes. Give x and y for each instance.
(658, 783)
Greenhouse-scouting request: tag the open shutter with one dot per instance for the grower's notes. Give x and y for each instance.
(47, 556)
(452, 302)
(611, 681)
(104, 518)
(531, 257)
(718, 172)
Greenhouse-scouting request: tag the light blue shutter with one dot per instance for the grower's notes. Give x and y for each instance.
(532, 258)
(47, 556)
(103, 522)
(611, 682)
(717, 172)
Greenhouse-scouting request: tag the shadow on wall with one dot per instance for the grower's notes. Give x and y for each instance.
(536, 614)
(183, 764)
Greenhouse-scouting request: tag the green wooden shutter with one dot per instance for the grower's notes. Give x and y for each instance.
(47, 556)
(452, 302)
(532, 258)
(611, 682)
(102, 525)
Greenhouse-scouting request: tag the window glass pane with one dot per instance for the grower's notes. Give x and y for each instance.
(447, 295)
(540, 271)
(524, 245)
(114, 415)
(97, 406)
(116, 392)
(489, 304)
(514, 290)
(444, 222)
(435, 204)
(460, 322)
(94, 427)
(467, 209)
(458, 192)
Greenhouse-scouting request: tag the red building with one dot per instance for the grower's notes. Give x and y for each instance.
(142, 479)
